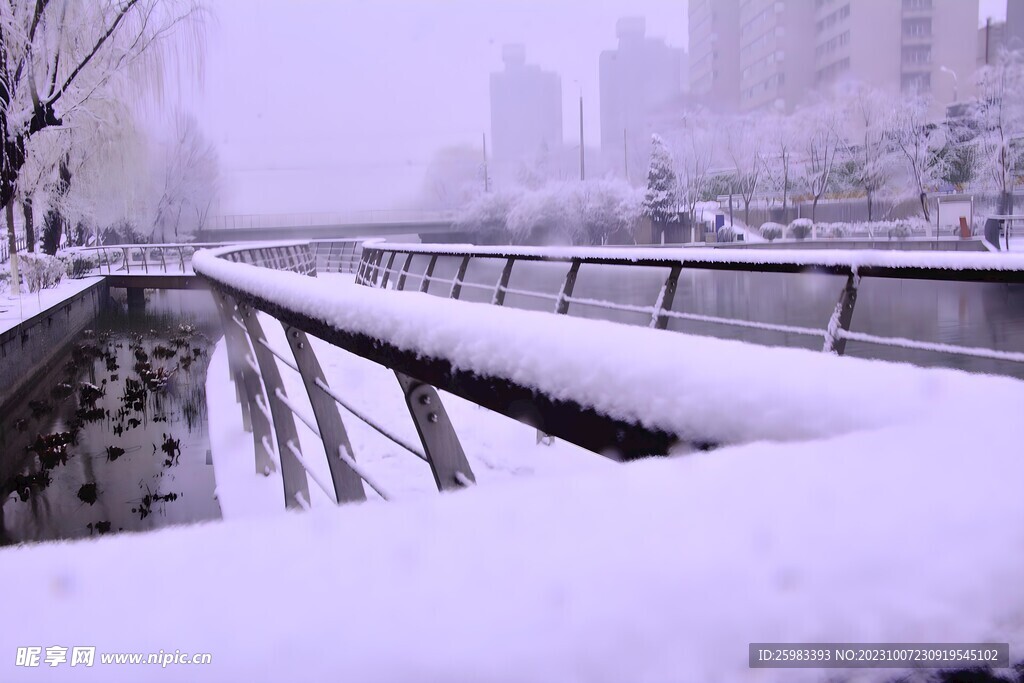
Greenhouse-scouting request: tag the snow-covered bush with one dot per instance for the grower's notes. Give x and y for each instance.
(486, 216)
(772, 231)
(41, 271)
(801, 228)
(835, 230)
(79, 263)
(900, 231)
(726, 233)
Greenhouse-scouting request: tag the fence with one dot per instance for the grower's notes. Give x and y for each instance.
(385, 265)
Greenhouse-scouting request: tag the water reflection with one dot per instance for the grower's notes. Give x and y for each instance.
(966, 314)
(114, 435)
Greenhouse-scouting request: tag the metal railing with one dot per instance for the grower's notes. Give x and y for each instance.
(270, 414)
(385, 264)
(5, 251)
(168, 259)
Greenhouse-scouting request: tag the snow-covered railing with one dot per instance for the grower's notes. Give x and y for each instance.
(271, 278)
(175, 258)
(388, 265)
(5, 251)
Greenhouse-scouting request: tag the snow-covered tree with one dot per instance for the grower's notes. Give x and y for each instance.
(486, 216)
(694, 145)
(919, 143)
(57, 56)
(867, 153)
(821, 144)
(781, 143)
(661, 201)
(453, 178)
(999, 117)
(746, 140)
(188, 175)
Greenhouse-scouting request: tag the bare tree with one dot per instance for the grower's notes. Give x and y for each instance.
(778, 156)
(919, 142)
(188, 181)
(694, 151)
(867, 142)
(745, 145)
(821, 146)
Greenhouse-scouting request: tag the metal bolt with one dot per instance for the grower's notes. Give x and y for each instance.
(425, 399)
(301, 345)
(432, 417)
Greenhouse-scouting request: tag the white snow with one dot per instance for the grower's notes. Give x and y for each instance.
(897, 519)
(14, 309)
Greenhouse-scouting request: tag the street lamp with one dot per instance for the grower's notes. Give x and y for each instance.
(956, 82)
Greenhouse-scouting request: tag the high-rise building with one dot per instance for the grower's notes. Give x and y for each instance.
(911, 46)
(991, 41)
(526, 108)
(715, 52)
(785, 49)
(642, 74)
(775, 55)
(1014, 25)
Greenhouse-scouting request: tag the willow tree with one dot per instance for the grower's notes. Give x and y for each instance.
(58, 56)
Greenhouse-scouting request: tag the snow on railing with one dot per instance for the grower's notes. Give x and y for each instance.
(385, 263)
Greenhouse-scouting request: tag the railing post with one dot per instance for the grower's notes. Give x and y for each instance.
(387, 270)
(440, 442)
(659, 320)
(238, 351)
(400, 286)
(459, 277)
(842, 316)
(562, 304)
(499, 289)
(428, 273)
(348, 486)
(292, 472)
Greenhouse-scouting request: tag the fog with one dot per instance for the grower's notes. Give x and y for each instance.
(325, 105)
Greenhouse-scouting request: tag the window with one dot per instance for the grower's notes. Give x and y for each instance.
(916, 83)
(917, 54)
(917, 5)
(917, 28)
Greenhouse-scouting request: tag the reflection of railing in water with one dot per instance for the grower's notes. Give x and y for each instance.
(386, 264)
(269, 413)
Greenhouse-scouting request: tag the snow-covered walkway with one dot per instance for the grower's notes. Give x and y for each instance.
(16, 309)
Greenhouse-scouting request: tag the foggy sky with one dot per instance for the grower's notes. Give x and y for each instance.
(323, 105)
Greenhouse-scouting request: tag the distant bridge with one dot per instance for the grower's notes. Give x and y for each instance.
(430, 226)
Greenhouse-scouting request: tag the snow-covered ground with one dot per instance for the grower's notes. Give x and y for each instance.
(17, 309)
(862, 502)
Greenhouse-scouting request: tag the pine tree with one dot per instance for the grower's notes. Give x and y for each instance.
(661, 201)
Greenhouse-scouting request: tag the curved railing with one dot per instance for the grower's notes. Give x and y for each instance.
(415, 266)
(270, 414)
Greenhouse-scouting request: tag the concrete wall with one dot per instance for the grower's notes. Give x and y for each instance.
(29, 348)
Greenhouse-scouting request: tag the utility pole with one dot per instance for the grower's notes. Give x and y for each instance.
(625, 154)
(487, 184)
(583, 175)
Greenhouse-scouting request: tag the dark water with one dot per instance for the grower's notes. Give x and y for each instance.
(966, 314)
(114, 436)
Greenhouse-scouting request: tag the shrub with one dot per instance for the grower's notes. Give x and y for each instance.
(41, 271)
(726, 233)
(801, 228)
(900, 231)
(772, 231)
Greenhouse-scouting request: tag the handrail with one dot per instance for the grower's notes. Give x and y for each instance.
(254, 365)
(379, 267)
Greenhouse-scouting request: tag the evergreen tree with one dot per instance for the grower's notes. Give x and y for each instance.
(661, 201)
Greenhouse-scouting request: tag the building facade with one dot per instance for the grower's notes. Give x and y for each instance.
(715, 52)
(1014, 25)
(526, 108)
(786, 49)
(637, 78)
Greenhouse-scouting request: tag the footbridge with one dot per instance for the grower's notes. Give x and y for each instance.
(428, 226)
(443, 343)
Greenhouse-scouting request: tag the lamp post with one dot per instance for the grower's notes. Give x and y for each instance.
(956, 82)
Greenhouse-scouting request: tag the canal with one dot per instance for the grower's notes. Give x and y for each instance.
(113, 436)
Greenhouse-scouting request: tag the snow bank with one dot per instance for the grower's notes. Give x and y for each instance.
(661, 570)
(746, 393)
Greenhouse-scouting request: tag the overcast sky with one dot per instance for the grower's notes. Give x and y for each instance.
(320, 105)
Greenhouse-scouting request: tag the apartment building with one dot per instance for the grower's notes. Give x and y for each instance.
(526, 107)
(786, 49)
(715, 52)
